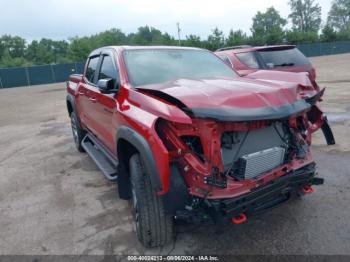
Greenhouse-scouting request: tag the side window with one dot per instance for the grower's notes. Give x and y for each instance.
(248, 59)
(227, 61)
(91, 68)
(108, 69)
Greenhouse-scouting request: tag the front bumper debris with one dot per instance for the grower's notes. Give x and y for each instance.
(263, 198)
(273, 194)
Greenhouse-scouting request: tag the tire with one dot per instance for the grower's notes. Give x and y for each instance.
(153, 227)
(77, 131)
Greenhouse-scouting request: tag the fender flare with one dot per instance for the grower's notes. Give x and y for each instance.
(70, 99)
(142, 146)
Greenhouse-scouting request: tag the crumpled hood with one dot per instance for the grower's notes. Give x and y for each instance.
(233, 99)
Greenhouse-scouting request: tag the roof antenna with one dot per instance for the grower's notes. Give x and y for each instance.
(178, 32)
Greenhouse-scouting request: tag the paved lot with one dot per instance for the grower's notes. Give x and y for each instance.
(53, 200)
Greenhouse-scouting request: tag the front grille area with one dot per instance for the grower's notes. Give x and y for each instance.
(247, 155)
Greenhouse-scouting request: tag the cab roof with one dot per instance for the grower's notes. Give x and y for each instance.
(129, 47)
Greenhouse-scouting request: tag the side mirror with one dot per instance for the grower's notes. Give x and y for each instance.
(106, 85)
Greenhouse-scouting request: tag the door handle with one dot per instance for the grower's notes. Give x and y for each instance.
(93, 99)
(81, 93)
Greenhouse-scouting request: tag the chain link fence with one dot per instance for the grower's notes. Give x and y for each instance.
(37, 75)
(46, 74)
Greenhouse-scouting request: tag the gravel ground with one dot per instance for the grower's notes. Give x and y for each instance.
(54, 200)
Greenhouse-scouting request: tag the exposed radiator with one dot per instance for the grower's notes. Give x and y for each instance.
(254, 164)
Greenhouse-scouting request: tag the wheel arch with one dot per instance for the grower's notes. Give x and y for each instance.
(70, 104)
(130, 142)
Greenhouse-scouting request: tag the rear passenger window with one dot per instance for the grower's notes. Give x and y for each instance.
(108, 69)
(248, 59)
(91, 68)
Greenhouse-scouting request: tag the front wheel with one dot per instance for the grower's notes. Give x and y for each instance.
(78, 132)
(153, 227)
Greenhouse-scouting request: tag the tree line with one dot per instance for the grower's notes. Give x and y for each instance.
(267, 28)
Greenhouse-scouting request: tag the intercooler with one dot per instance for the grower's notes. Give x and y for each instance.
(248, 155)
(252, 165)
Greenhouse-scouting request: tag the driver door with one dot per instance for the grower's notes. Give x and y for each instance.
(105, 103)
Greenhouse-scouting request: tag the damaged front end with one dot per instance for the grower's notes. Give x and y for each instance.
(227, 169)
(306, 88)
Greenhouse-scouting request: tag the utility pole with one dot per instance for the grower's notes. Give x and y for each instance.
(178, 32)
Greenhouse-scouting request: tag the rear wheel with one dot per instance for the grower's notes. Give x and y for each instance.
(78, 132)
(153, 227)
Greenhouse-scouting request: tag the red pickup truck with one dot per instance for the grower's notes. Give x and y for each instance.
(186, 138)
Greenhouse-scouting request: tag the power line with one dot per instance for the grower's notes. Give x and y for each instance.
(178, 32)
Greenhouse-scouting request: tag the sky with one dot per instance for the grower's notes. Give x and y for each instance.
(62, 19)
